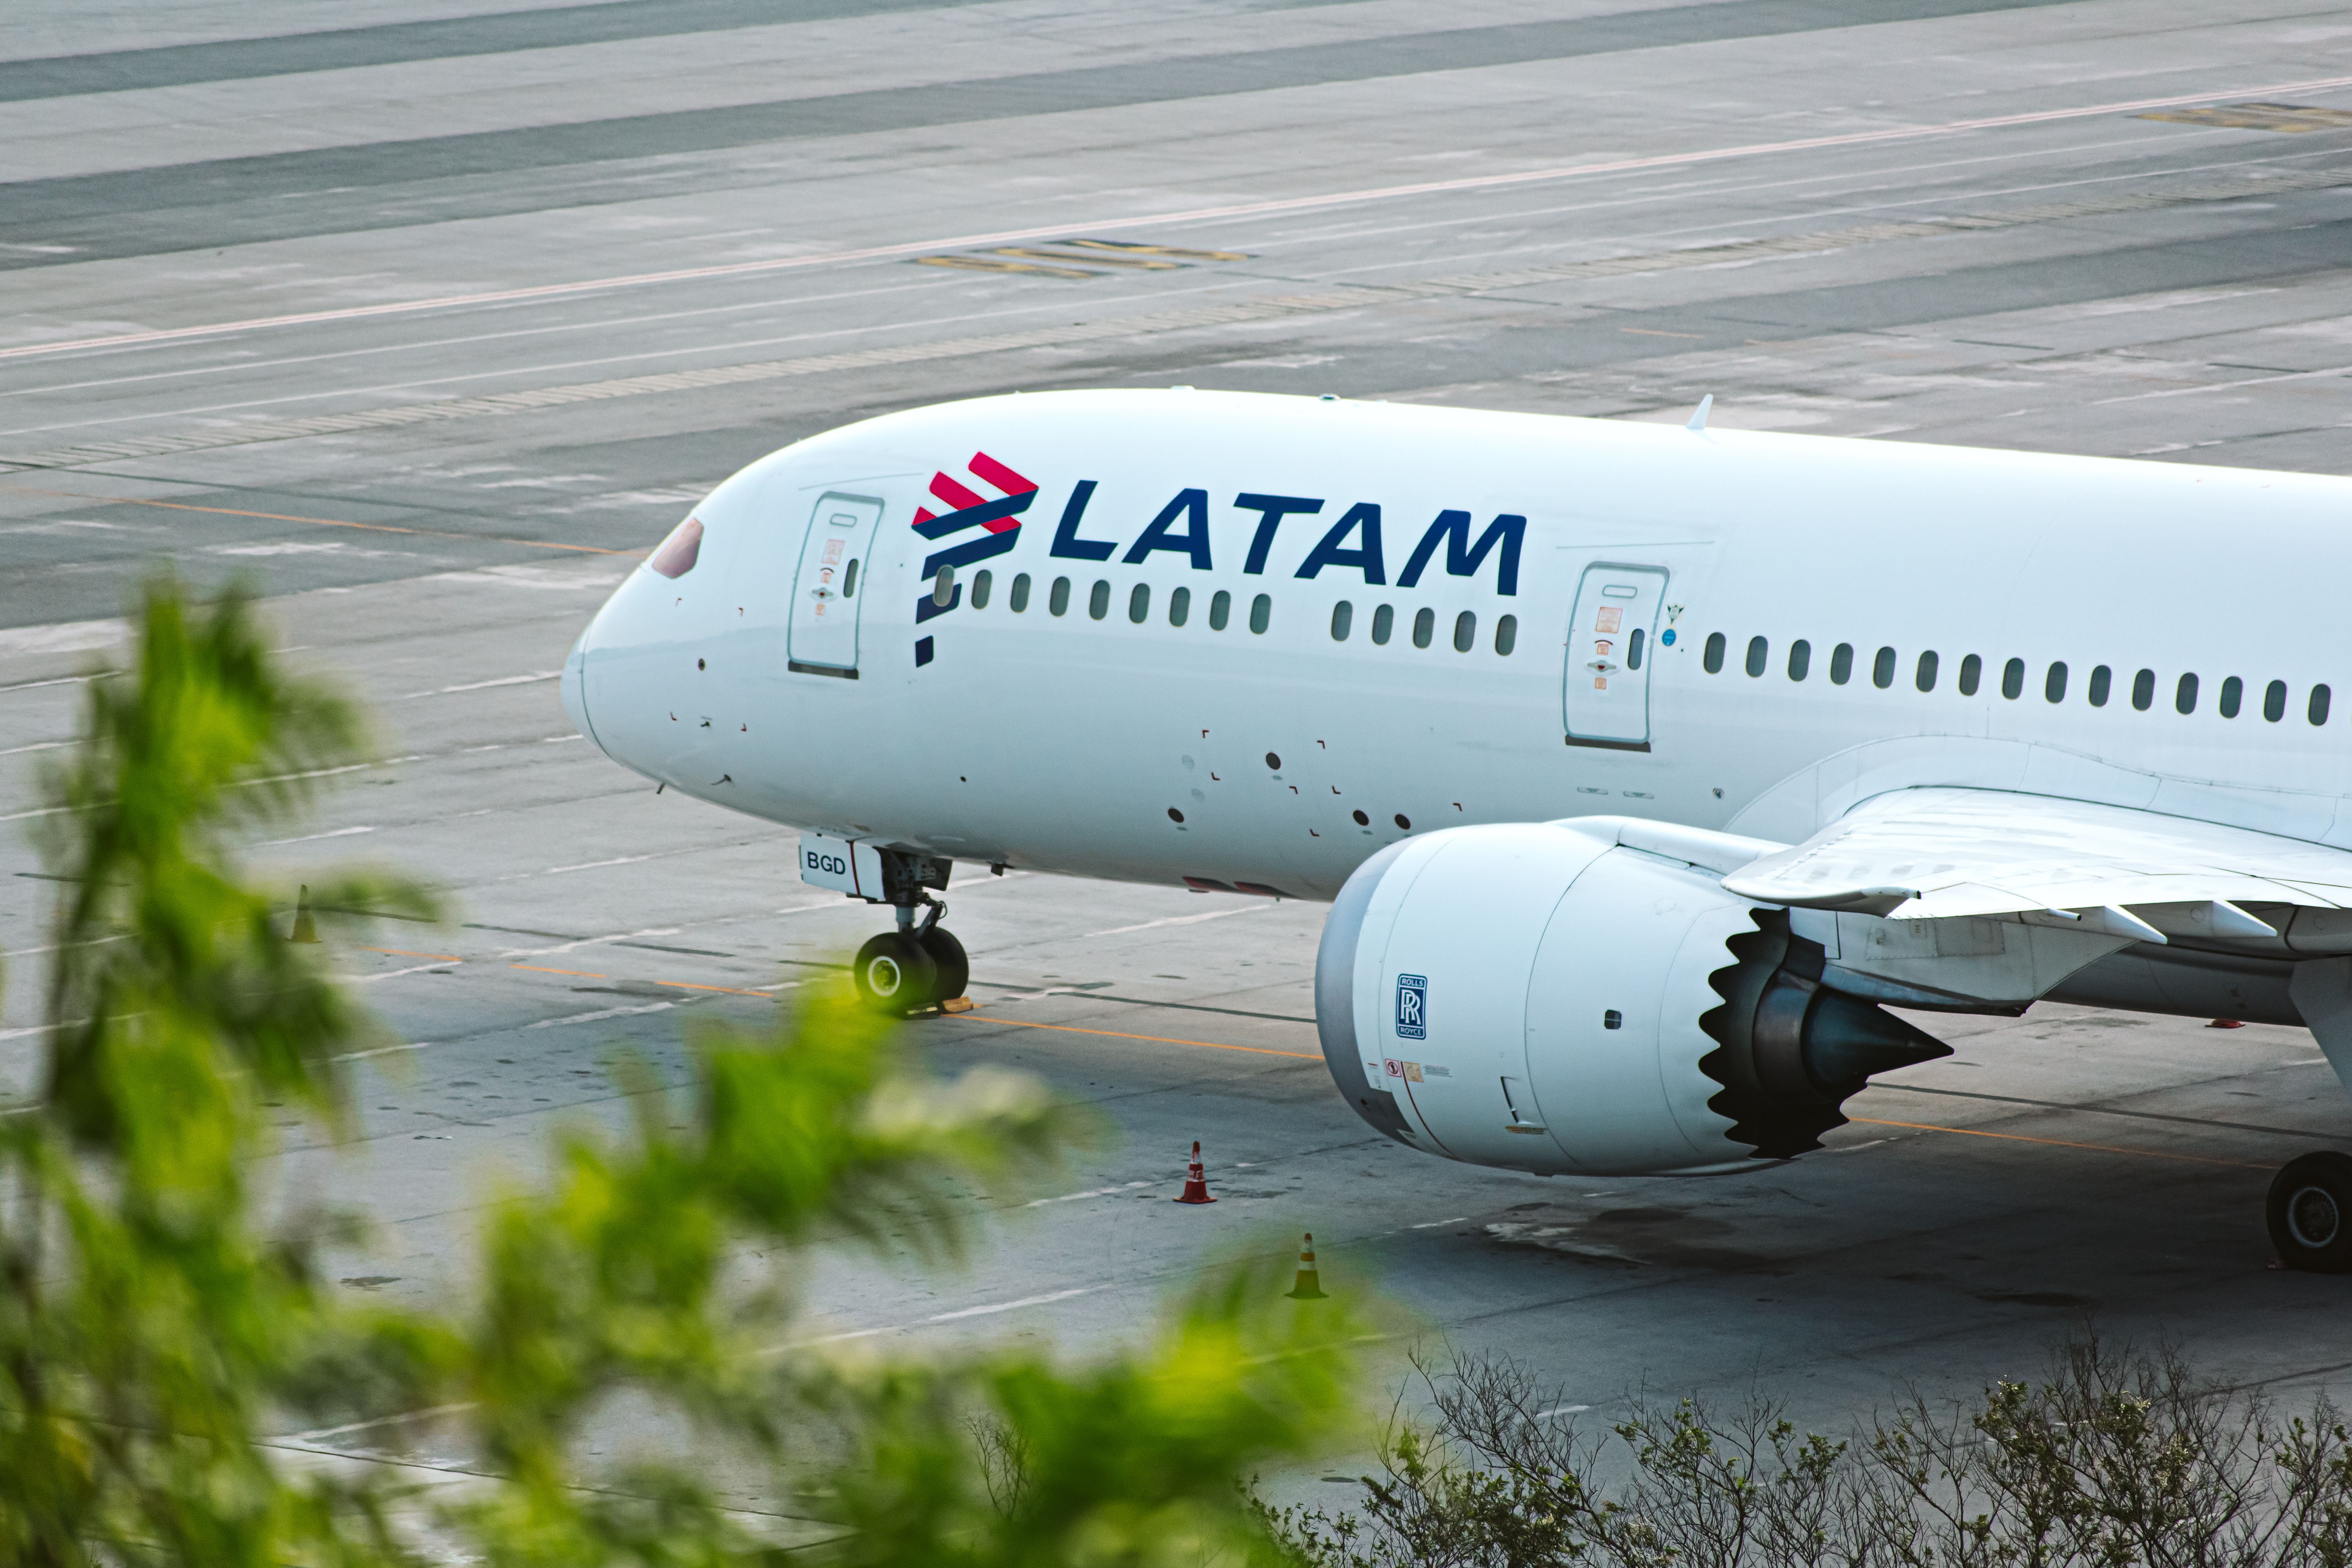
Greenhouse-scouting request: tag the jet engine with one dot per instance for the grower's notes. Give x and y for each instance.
(1543, 997)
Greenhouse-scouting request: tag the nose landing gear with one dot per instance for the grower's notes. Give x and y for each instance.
(914, 967)
(921, 965)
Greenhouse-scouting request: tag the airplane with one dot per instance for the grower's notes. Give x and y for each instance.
(1644, 766)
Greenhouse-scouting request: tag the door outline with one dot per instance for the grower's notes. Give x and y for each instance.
(1645, 627)
(859, 565)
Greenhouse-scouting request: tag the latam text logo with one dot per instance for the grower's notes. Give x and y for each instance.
(1354, 541)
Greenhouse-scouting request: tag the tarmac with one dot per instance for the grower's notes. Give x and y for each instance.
(430, 320)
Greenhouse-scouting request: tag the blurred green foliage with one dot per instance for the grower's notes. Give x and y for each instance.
(156, 1330)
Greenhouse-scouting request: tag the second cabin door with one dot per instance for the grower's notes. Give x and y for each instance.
(1611, 648)
(830, 587)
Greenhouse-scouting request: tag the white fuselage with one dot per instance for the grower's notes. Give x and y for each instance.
(1073, 742)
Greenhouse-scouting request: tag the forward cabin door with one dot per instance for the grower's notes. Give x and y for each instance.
(1611, 648)
(830, 587)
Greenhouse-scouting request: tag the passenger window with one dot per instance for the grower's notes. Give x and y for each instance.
(2275, 701)
(1019, 600)
(1139, 604)
(1058, 602)
(1383, 622)
(1800, 658)
(2053, 685)
(1261, 613)
(1466, 631)
(1179, 606)
(2012, 679)
(1343, 619)
(2144, 690)
(942, 587)
(1842, 664)
(1972, 675)
(1424, 626)
(1221, 610)
(1633, 645)
(982, 583)
(1757, 650)
(849, 580)
(2234, 695)
(1713, 659)
(1881, 669)
(1098, 601)
(1506, 638)
(2101, 677)
(1926, 678)
(2318, 709)
(2184, 696)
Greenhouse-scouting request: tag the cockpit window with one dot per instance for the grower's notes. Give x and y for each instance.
(676, 557)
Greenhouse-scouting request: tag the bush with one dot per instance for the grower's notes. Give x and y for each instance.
(154, 1330)
(2117, 1459)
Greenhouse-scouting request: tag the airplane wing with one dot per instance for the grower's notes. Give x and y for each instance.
(1933, 854)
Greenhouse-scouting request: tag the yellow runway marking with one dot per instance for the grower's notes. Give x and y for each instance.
(404, 953)
(323, 521)
(543, 969)
(730, 989)
(2059, 1143)
(1154, 1039)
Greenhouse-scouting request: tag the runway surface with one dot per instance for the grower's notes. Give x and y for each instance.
(432, 319)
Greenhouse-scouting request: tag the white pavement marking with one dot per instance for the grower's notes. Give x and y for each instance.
(1434, 1224)
(308, 838)
(38, 746)
(486, 685)
(1340, 296)
(1194, 214)
(602, 1012)
(1011, 1306)
(395, 974)
(382, 1051)
(589, 942)
(322, 1432)
(1183, 920)
(1089, 1193)
(592, 864)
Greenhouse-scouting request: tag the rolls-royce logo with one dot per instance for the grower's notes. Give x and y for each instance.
(1413, 1008)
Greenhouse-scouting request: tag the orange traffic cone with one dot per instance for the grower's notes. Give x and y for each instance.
(1196, 1181)
(305, 927)
(1310, 1285)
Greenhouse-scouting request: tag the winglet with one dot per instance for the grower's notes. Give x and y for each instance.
(1698, 420)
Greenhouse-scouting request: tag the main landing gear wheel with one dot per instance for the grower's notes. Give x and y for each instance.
(2310, 1212)
(955, 969)
(896, 973)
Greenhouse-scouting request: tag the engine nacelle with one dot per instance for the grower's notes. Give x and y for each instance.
(1539, 997)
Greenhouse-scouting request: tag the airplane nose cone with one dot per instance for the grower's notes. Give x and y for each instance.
(576, 689)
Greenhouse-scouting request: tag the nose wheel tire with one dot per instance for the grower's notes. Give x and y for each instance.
(897, 975)
(2310, 1212)
(954, 968)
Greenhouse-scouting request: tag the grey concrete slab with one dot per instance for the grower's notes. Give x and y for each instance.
(203, 204)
